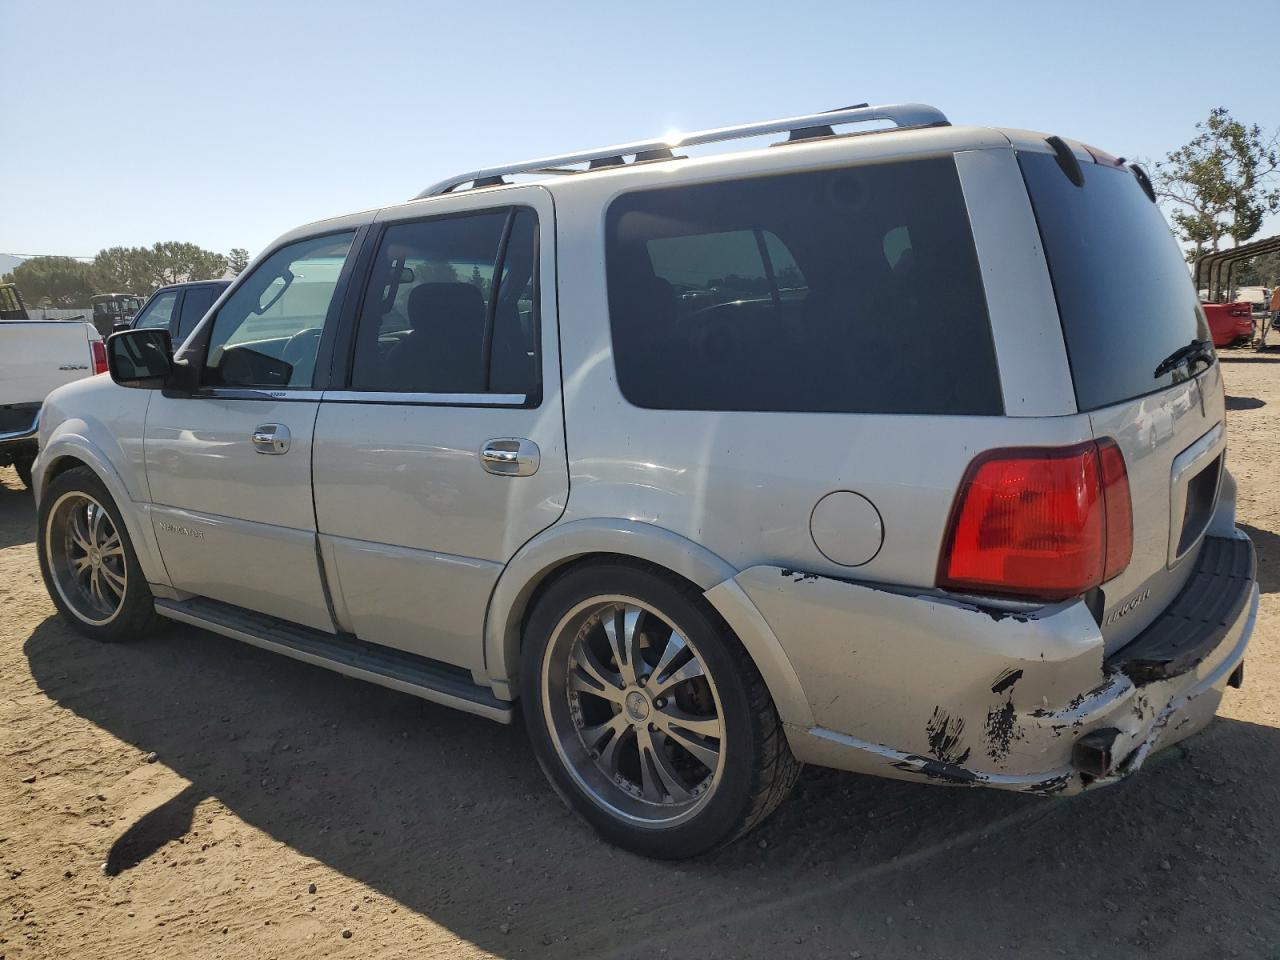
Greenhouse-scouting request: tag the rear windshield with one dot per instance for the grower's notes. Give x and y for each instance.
(855, 290)
(1124, 291)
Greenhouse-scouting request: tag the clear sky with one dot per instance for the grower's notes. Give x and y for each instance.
(227, 123)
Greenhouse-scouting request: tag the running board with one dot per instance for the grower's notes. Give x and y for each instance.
(397, 669)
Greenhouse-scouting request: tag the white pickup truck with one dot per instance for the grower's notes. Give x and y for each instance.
(36, 357)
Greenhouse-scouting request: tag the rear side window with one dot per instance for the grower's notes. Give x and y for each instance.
(1124, 292)
(854, 290)
(450, 308)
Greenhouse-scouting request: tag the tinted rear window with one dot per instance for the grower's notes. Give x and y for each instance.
(1124, 292)
(854, 290)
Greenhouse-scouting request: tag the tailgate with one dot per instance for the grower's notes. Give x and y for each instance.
(1174, 444)
(38, 356)
(1128, 310)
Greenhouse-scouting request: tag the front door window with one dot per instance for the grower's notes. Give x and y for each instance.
(267, 334)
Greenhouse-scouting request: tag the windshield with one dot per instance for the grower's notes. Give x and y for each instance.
(1124, 292)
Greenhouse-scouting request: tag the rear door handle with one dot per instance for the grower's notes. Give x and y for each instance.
(271, 438)
(510, 457)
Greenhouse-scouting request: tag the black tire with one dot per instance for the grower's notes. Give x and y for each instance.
(135, 613)
(23, 466)
(758, 769)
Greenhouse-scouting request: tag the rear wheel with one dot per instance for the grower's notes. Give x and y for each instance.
(86, 559)
(648, 716)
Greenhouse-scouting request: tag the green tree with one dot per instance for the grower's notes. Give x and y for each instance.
(53, 281)
(122, 270)
(175, 262)
(237, 260)
(1219, 184)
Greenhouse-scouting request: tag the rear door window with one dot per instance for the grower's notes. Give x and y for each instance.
(1124, 291)
(450, 308)
(854, 290)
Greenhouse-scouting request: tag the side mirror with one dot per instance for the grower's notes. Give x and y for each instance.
(140, 358)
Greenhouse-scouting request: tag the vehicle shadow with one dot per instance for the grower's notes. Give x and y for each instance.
(1244, 403)
(449, 816)
(1267, 545)
(17, 511)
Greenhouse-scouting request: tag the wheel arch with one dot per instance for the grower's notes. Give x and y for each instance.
(564, 547)
(67, 450)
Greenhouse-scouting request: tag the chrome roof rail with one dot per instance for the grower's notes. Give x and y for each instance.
(903, 115)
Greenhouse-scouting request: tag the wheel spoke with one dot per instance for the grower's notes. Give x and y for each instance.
(591, 677)
(111, 546)
(113, 580)
(657, 774)
(95, 586)
(78, 528)
(80, 564)
(675, 647)
(708, 756)
(593, 737)
(624, 639)
(701, 726)
(95, 525)
(689, 671)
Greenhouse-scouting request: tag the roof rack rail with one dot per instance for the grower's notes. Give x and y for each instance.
(903, 115)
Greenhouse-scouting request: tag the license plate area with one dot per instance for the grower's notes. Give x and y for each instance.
(1194, 482)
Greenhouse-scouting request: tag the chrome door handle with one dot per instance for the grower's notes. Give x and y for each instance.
(272, 438)
(510, 457)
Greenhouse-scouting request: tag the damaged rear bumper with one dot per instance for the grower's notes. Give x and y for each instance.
(931, 688)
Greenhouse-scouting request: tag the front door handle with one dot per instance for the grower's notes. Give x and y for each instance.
(271, 438)
(510, 457)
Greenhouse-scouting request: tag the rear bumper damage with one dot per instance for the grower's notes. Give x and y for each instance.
(930, 688)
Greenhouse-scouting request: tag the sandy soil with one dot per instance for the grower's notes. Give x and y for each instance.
(190, 796)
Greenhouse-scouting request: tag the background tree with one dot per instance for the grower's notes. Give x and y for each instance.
(122, 270)
(53, 281)
(176, 262)
(237, 260)
(1219, 184)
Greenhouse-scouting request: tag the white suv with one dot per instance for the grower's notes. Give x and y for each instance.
(898, 451)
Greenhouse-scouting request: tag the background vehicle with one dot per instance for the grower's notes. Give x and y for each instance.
(568, 443)
(1230, 324)
(179, 307)
(37, 356)
(11, 305)
(113, 311)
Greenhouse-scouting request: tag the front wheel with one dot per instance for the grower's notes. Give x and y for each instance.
(647, 715)
(87, 561)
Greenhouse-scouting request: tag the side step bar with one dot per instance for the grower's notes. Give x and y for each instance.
(397, 669)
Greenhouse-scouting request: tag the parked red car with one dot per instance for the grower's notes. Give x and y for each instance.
(1229, 323)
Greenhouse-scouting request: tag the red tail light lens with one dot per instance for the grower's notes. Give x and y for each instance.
(1040, 523)
(99, 356)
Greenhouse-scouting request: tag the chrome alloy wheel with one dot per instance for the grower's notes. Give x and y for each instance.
(86, 558)
(633, 711)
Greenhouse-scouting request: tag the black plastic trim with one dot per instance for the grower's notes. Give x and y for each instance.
(1067, 160)
(1199, 618)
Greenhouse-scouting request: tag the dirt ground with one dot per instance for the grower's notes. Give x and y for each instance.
(189, 796)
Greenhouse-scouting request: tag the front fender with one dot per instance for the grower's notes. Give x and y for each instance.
(563, 543)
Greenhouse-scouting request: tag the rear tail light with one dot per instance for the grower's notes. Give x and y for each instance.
(99, 356)
(1045, 524)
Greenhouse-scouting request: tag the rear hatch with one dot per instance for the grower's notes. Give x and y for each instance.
(1127, 303)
